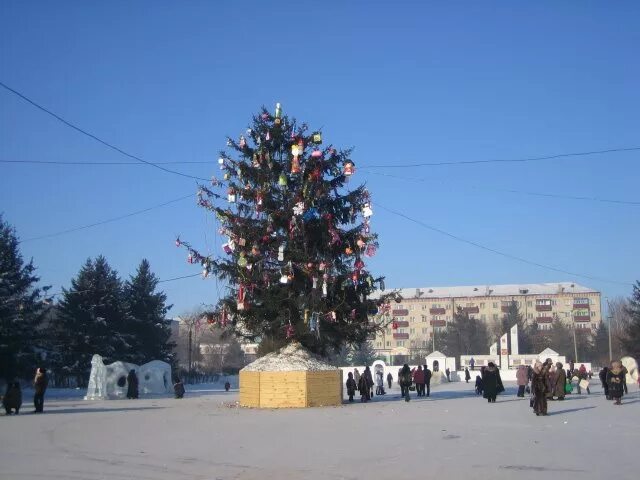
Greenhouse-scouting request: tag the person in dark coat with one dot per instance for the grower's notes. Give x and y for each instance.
(603, 380)
(490, 382)
(447, 372)
(363, 386)
(178, 388)
(560, 382)
(369, 378)
(479, 386)
(227, 386)
(418, 378)
(40, 383)
(12, 399)
(467, 375)
(539, 388)
(624, 378)
(521, 380)
(132, 384)
(427, 379)
(389, 379)
(351, 386)
(405, 379)
(472, 364)
(616, 380)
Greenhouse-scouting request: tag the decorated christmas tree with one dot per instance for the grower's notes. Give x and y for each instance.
(296, 239)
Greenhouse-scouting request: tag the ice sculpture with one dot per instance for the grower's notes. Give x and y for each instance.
(110, 381)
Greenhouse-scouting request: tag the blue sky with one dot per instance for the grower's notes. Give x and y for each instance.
(402, 82)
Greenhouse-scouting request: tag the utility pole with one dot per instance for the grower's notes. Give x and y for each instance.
(610, 316)
(189, 359)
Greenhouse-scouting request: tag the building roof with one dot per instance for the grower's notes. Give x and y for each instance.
(495, 290)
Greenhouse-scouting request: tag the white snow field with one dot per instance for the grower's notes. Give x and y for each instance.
(451, 435)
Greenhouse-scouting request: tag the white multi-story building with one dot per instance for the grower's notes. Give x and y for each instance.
(424, 312)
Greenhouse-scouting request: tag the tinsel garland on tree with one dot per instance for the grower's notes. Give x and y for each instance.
(296, 238)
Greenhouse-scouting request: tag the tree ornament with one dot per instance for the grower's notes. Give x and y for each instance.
(317, 138)
(281, 253)
(255, 251)
(178, 242)
(242, 260)
(316, 153)
(227, 248)
(358, 265)
(282, 180)
(243, 142)
(360, 242)
(205, 272)
(370, 251)
(354, 278)
(315, 282)
(211, 319)
(241, 305)
(295, 165)
(231, 195)
(298, 208)
(290, 331)
(242, 241)
(221, 163)
(306, 316)
(394, 325)
(226, 176)
(190, 259)
(267, 137)
(366, 210)
(348, 250)
(348, 168)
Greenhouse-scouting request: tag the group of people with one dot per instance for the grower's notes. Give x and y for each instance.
(418, 379)
(12, 399)
(364, 383)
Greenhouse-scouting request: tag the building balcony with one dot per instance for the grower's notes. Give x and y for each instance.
(401, 323)
(438, 323)
(504, 308)
(581, 306)
(543, 308)
(401, 336)
(544, 319)
(437, 311)
(400, 312)
(471, 309)
(582, 318)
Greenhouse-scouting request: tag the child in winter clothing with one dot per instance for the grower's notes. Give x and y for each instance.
(351, 386)
(178, 388)
(479, 387)
(12, 399)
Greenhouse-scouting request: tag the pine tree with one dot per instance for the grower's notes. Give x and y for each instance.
(91, 319)
(363, 354)
(600, 352)
(22, 308)
(631, 340)
(464, 336)
(146, 323)
(513, 317)
(297, 238)
(561, 338)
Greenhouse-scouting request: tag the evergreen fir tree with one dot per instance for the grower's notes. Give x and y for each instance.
(91, 320)
(600, 353)
(513, 317)
(22, 307)
(296, 241)
(464, 336)
(146, 324)
(561, 338)
(363, 354)
(631, 339)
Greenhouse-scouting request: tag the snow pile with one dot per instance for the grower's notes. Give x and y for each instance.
(293, 357)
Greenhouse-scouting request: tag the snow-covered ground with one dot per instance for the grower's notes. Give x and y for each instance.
(451, 435)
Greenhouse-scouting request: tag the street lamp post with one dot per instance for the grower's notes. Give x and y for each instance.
(610, 316)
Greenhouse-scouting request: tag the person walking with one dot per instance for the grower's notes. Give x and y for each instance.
(467, 375)
(369, 378)
(132, 384)
(12, 399)
(363, 387)
(615, 379)
(479, 386)
(539, 388)
(521, 380)
(418, 378)
(40, 383)
(356, 377)
(472, 364)
(560, 382)
(624, 380)
(583, 375)
(447, 373)
(380, 383)
(427, 379)
(389, 379)
(603, 380)
(351, 386)
(490, 382)
(178, 388)
(405, 381)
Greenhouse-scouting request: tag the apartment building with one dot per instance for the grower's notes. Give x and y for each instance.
(425, 312)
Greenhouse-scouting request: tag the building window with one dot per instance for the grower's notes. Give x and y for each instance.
(412, 330)
(543, 301)
(424, 343)
(379, 344)
(388, 344)
(483, 317)
(424, 306)
(482, 305)
(495, 316)
(529, 315)
(495, 304)
(470, 305)
(581, 301)
(581, 313)
(400, 343)
(424, 318)
(593, 314)
(411, 306)
(529, 304)
(424, 330)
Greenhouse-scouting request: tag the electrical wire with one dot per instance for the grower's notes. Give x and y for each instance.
(114, 219)
(520, 192)
(506, 160)
(94, 137)
(89, 164)
(498, 252)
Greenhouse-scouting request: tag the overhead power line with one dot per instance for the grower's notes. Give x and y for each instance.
(505, 160)
(498, 252)
(89, 164)
(96, 138)
(114, 219)
(521, 192)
